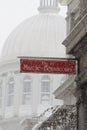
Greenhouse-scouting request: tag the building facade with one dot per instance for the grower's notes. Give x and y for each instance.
(74, 88)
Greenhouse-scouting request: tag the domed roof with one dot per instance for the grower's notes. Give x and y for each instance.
(40, 35)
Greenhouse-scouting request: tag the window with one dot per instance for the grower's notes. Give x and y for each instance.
(45, 90)
(10, 94)
(26, 99)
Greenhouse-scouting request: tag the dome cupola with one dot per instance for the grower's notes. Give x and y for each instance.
(38, 36)
(48, 6)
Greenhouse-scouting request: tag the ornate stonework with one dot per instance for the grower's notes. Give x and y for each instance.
(76, 44)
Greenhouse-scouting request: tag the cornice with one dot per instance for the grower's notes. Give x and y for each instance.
(64, 88)
(64, 2)
(78, 32)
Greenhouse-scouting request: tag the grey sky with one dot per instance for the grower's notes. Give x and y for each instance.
(12, 12)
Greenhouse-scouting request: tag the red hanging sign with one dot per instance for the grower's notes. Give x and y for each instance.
(48, 66)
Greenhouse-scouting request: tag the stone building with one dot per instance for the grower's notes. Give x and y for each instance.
(74, 89)
(24, 96)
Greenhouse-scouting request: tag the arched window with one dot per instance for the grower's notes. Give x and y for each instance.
(45, 90)
(10, 94)
(0, 94)
(26, 98)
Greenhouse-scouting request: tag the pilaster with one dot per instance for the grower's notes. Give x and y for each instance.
(82, 106)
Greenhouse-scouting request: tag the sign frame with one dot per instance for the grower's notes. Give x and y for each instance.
(52, 58)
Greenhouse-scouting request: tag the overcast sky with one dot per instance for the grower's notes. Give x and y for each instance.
(12, 12)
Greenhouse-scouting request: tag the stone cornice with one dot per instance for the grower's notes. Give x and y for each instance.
(64, 2)
(61, 91)
(78, 32)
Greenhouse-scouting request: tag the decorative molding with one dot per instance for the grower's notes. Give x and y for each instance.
(65, 88)
(64, 2)
(78, 32)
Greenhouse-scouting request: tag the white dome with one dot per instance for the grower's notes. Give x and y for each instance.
(40, 35)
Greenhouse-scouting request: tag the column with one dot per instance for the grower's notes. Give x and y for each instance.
(40, 2)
